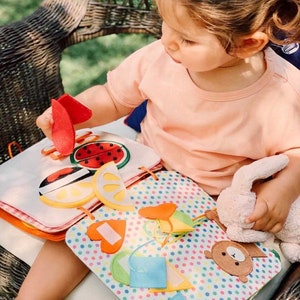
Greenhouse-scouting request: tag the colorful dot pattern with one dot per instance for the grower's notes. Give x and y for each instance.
(186, 254)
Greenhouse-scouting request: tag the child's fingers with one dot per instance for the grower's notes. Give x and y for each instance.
(45, 122)
(259, 214)
(263, 220)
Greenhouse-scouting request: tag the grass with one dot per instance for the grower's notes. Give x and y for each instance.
(84, 64)
(87, 63)
(13, 10)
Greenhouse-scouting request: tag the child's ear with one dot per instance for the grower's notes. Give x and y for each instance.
(251, 44)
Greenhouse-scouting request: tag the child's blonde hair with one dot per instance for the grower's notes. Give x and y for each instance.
(231, 19)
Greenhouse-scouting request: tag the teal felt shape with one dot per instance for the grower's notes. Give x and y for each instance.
(148, 272)
(178, 296)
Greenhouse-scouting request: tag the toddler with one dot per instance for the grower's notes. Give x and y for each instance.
(218, 98)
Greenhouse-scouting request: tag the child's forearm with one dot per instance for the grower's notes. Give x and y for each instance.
(103, 106)
(104, 110)
(288, 180)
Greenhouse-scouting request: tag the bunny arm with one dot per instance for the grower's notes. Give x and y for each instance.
(291, 251)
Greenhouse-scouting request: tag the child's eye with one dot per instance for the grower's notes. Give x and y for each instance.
(187, 42)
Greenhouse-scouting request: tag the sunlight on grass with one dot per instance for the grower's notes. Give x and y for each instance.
(14, 10)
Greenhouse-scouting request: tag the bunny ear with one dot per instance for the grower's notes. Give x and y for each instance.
(261, 169)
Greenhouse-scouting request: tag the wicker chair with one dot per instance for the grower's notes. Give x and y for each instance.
(30, 55)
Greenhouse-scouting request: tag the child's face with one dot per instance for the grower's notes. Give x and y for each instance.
(188, 43)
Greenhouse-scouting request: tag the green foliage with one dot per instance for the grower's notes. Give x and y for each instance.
(14, 10)
(87, 63)
(84, 64)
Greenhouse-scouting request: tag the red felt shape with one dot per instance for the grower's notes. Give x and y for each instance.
(111, 237)
(161, 212)
(77, 111)
(57, 174)
(63, 133)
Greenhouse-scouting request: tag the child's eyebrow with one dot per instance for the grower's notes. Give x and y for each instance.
(184, 35)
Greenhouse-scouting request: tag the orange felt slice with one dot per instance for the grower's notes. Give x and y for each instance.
(63, 133)
(77, 111)
(162, 212)
(110, 233)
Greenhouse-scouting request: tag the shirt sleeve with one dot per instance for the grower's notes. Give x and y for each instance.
(124, 81)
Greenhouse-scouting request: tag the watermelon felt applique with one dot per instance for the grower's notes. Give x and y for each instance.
(94, 155)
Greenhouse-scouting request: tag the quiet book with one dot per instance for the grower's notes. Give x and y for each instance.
(45, 193)
(146, 232)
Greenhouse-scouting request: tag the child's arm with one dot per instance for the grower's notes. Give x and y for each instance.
(98, 99)
(275, 197)
(54, 274)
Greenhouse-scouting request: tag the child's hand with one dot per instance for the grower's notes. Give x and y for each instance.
(271, 209)
(275, 197)
(45, 122)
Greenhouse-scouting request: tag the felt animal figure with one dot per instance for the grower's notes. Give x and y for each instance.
(237, 202)
(232, 257)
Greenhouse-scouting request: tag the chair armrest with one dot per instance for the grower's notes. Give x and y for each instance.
(105, 17)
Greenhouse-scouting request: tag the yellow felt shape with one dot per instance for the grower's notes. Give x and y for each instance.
(179, 225)
(67, 188)
(110, 188)
(175, 281)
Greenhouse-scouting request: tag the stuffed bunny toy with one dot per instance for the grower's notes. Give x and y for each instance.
(236, 203)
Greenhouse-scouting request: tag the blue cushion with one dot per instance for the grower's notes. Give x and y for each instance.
(289, 52)
(136, 117)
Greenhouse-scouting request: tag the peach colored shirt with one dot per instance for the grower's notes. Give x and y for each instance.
(206, 135)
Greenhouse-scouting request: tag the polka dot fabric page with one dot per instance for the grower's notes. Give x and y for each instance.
(156, 261)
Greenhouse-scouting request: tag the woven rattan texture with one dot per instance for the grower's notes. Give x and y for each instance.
(30, 54)
(12, 274)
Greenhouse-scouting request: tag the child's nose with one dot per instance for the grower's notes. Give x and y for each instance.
(168, 39)
(170, 45)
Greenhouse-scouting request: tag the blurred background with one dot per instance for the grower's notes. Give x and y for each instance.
(83, 64)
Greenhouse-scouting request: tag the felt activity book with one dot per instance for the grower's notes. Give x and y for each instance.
(161, 239)
(45, 192)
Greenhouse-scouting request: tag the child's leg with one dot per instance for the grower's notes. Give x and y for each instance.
(54, 274)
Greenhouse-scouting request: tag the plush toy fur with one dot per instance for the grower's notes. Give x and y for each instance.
(237, 202)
